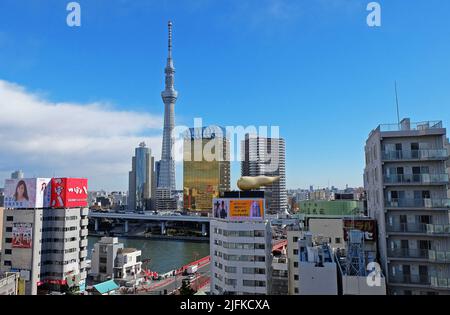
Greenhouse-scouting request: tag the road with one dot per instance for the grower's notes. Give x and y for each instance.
(169, 285)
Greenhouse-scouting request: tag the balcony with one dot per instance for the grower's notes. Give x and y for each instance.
(410, 279)
(428, 203)
(414, 228)
(84, 232)
(416, 179)
(415, 155)
(440, 282)
(443, 229)
(408, 253)
(439, 256)
(429, 255)
(84, 243)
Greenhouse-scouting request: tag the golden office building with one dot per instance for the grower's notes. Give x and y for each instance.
(206, 167)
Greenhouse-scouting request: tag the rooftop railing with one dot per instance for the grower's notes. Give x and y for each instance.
(411, 126)
(410, 279)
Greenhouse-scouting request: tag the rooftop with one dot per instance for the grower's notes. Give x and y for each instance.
(407, 125)
(126, 250)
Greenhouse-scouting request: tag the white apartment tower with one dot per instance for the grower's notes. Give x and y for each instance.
(241, 256)
(406, 180)
(267, 156)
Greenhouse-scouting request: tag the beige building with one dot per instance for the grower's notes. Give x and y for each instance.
(330, 229)
(46, 246)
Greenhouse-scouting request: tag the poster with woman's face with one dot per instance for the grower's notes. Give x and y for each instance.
(27, 193)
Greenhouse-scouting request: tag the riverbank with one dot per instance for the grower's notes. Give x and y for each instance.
(157, 237)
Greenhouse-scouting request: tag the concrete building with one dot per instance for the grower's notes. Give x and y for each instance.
(241, 254)
(317, 269)
(294, 233)
(1, 227)
(141, 183)
(57, 250)
(267, 156)
(165, 200)
(406, 182)
(206, 167)
(110, 260)
(280, 274)
(330, 229)
(17, 175)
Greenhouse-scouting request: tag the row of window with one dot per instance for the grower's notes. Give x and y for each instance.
(59, 229)
(245, 283)
(63, 263)
(58, 251)
(67, 218)
(253, 258)
(239, 245)
(255, 233)
(56, 240)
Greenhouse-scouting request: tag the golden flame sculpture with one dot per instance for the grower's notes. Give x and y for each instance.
(255, 182)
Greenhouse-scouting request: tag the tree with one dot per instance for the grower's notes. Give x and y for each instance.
(186, 288)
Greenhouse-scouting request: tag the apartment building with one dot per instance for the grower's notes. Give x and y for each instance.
(406, 180)
(293, 234)
(240, 245)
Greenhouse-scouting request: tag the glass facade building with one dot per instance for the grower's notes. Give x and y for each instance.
(141, 180)
(206, 167)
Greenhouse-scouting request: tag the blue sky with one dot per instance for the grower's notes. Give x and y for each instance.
(312, 67)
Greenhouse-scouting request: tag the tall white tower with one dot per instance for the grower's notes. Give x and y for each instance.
(166, 167)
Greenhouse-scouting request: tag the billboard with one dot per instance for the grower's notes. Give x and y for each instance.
(27, 193)
(369, 227)
(22, 235)
(238, 209)
(69, 192)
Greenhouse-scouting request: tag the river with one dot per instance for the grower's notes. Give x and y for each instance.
(164, 255)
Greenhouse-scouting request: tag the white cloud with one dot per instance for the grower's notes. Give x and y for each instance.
(66, 139)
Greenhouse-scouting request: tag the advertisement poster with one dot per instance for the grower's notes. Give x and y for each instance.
(22, 235)
(69, 192)
(238, 209)
(27, 193)
(221, 208)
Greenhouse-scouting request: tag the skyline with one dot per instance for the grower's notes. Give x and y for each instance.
(110, 74)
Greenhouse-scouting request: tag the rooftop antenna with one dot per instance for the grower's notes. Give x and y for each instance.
(396, 100)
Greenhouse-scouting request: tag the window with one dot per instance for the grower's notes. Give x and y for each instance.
(338, 240)
(295, 277)
(295, 290)
(9, 218)
(8, 229)
(8, 251)
(295, 251)
(7, 263)
(295, 264)
(295, 239)
(230, 269)
(8, 240)
(103, 260)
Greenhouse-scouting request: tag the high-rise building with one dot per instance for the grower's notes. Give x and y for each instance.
(206, 167)
(240, 245)
(17, 174)
(406, 183)
(166, 166)
(47, 246)
(141, 182)
(267, 156)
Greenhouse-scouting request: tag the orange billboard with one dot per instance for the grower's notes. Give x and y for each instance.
(239, 209)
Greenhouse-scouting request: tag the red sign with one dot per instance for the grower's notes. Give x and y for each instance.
(69, 192)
